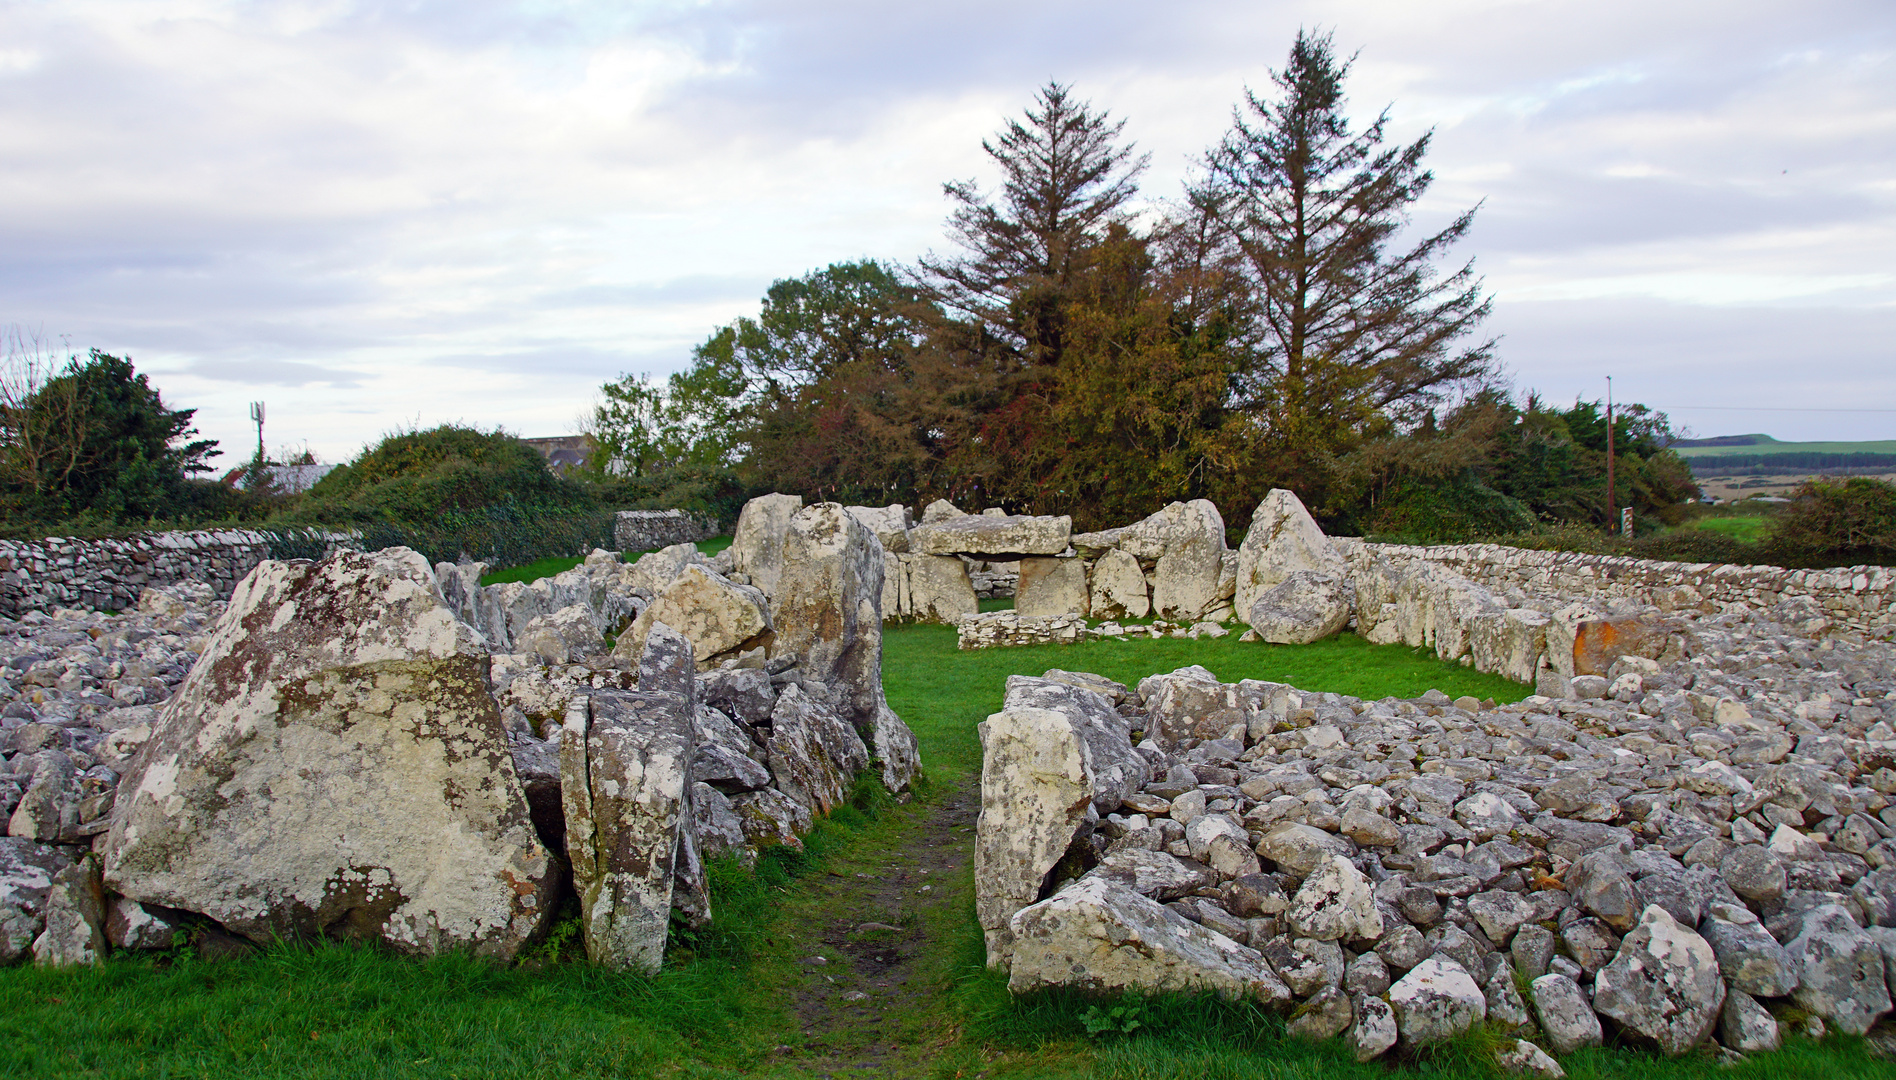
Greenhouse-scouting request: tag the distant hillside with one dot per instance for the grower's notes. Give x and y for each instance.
(1755, 446)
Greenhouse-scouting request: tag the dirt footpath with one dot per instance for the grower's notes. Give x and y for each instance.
(873, 937)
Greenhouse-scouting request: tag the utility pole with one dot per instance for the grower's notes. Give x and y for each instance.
(256, 417)
(1612, 498)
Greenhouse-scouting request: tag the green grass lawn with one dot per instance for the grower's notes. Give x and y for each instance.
(1748, 529)
(725, 1005)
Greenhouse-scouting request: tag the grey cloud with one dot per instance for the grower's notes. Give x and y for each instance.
(1676, 357)
(269, 372)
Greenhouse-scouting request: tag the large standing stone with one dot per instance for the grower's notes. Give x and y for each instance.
(717, 615)
(1841, 974)
(940, 589)
(1283, 538)
(1118, 588)
(995, 538)
(1051, 586)
(26, 874)
(827, 611)
(334, 765)
(1115, 769)
(1036, 789)
(1306, 606)
(1664, 985)
(1185, 543)
(1094, 935)
(625, 765)
(757, 540)
(1436, 1000)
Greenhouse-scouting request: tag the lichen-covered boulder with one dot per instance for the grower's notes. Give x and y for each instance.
(1116, 769)
(1841, 972)
(625, 770)
(716, 615)
(1335, 903)
(334, 765)
(1664, 985)
(1436, 1000)
(75, 918)
(1306, 606)
(1283, 538)
(757, 539)
(1564, 1014)
(996, 538)
(562, 636)
(1095, 935)
(814, 754)
(1036, 789)
(827, 613)
(1750, 958)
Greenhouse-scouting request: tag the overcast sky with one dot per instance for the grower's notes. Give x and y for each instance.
(376, 215)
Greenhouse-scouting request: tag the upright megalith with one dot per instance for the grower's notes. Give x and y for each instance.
(1283, 538)
(1037, 787)
(757, 540)
(625, 779)
(826, 610)
(334, 765)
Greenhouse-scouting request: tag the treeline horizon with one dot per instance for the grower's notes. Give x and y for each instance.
(1277, 323)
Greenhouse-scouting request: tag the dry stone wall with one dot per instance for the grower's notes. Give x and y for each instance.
(1858, 597)
(109, 575)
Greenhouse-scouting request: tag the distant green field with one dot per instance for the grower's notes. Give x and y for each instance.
(1765, 444)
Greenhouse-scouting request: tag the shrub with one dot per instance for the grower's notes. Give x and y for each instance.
(1839, 521)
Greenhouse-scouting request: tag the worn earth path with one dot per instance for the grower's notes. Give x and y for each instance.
(864, 951)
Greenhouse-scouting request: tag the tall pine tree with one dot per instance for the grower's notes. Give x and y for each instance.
(1349, 332)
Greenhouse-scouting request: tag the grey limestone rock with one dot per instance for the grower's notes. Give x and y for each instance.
(1564, 1014)
(26, 875)
(1841, 972)
(1094, 935)
(335, 765)
(1435, 1000)
(1664, 984)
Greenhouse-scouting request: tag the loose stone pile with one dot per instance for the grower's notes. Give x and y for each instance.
(367, 747)
(1688, 828)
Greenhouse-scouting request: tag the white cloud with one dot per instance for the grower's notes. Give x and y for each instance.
(375, 214)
